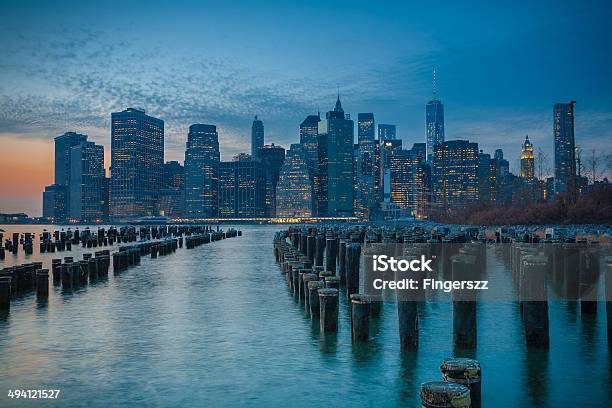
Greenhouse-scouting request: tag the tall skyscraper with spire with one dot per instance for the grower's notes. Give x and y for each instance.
(336, 136)
(257, 137)
(527, 161)
(434, 120)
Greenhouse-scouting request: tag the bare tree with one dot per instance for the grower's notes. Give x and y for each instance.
(543, 164)
(597, 165)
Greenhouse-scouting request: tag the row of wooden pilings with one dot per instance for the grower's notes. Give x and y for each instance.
(65, 240)
(316, 262)
(317, 286)
(21, 279)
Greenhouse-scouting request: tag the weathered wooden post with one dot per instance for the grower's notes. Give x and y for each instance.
(42, 283)
(442, 394)
(332, 282)
(306, 278)
(311, 247)
(331, 245)
(328, 309)
(319, 248)
(353, 256)
(360, 317)
(408, 319)
(465, 371)
(464, 305)
(608, 295)
(588, 276)
(342, 260)
(5, 292)
(313, 297)
(533, 298)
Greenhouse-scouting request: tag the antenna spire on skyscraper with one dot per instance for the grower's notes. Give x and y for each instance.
(435, 91)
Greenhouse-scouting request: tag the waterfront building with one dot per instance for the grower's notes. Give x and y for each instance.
(242, 188)
(55, 203)
(257, 137)
(527, 161)
(336, 133)
(565, 155)
(87, 190)
(455, 175)
(202, 159)
(137, 159)
(172, 194)
(63, 144)
(386, 132)
(383, 150)
(294, 188)
(272, 158)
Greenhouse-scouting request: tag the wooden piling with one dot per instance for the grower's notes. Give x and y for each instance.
(533, 297)
(442, 394)
(464, 305)
(328, 309)
(42, 283)
(465, 371)
(360, 317)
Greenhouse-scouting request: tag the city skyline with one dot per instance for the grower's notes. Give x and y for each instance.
(56, 81)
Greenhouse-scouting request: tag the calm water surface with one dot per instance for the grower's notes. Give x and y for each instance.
(216, 326)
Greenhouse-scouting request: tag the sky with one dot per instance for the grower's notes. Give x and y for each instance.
(500, 67)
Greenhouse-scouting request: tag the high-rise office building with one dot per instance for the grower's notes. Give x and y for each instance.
(565, 154)
(257, 137)
(407, 181)
(487, 178)
(364, 165)
(55, 203)
(455, 175)
(309, 134)
(434, 117)
(527, 161)
(386, 132)
(202, 159)
(137, 159)
(242, 188)
(294, 188)
(272, 158)
(63, 144)
(337, 132)
(87, 189)
(172, 193)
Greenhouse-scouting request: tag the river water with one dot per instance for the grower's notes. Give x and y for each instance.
(216, 326)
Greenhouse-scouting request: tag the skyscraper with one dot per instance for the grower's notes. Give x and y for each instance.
(87, 183)
(172, 194)
(63, 143)
(487, 180)
(386, 132)
(527, 161)
(242, 188)
(565, 155)
(55, 202)
(455, 175)
(137, 159)
(257, 137)
(338, 132)
(406, 180)
(202, 172)
(272, 158)
(309, 134)
(364, 165)
(434, 120)
(294, 188)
